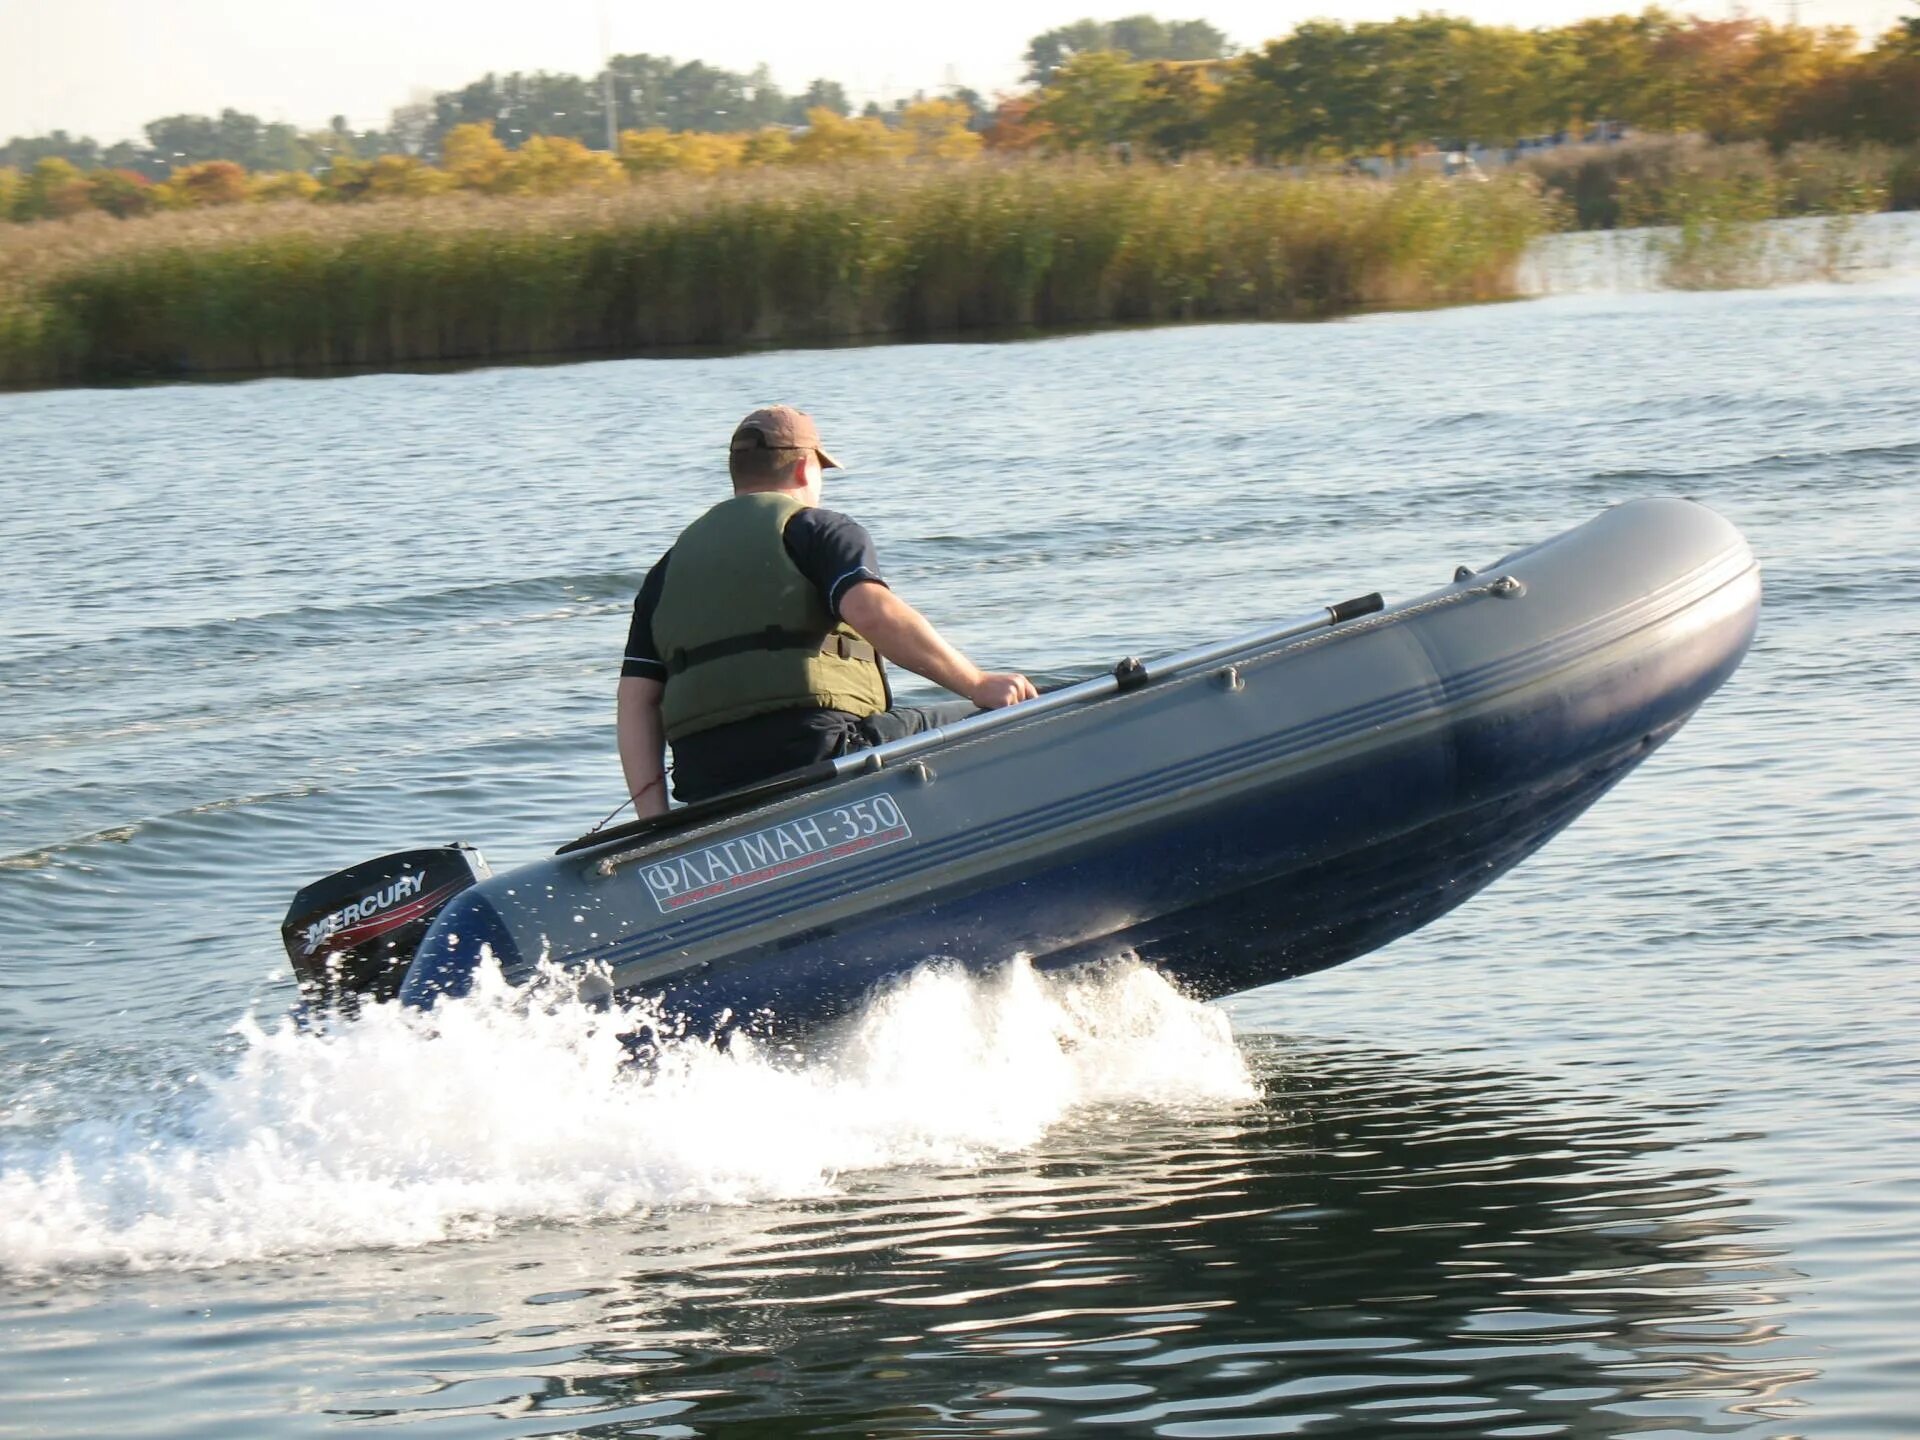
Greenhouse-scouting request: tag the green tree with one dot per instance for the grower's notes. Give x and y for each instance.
(1177, 114)
(820, 95)
(1095, 100)
(81, 152)
(1139, 37)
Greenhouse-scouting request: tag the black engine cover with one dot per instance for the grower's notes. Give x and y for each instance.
(353, 934)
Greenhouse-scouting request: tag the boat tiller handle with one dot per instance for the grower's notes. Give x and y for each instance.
(1353, 609)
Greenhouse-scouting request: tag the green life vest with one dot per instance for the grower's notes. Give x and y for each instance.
(744, 633)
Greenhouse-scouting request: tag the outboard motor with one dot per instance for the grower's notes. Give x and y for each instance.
(353, 934)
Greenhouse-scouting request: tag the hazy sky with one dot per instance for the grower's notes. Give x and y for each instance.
(106, 67)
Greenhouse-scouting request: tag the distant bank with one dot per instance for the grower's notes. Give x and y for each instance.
(770, 258)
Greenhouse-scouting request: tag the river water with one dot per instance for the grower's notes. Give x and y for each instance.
(1630, 1144)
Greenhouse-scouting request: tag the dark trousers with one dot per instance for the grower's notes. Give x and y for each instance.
(904, 720)
(728, 757)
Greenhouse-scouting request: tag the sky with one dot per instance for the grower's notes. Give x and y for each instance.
(105, 67)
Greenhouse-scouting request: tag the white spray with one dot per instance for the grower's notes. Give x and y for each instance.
(402, 1130)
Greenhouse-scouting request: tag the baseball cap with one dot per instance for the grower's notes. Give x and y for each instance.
(780, 427)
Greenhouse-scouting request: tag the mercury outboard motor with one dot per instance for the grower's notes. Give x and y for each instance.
(353, 934)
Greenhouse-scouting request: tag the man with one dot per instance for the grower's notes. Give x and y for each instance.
(757, 639)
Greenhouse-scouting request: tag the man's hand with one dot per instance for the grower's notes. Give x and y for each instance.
(995, 691)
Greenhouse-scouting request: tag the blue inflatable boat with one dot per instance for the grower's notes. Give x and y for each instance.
(1233, 815)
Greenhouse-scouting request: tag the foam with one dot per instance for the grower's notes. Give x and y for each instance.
(403, 1130)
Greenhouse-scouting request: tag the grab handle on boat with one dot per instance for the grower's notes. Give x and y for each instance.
(1353, 609)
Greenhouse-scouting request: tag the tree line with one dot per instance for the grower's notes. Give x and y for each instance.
(647, 90)
(1327, 91)
(1330, 90)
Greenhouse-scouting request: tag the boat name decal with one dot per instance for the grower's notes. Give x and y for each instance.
(775, 852)
(367, 906)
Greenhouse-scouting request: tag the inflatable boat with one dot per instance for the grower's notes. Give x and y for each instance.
(1233, 815)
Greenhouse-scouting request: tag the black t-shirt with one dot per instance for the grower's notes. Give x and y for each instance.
(835, 553)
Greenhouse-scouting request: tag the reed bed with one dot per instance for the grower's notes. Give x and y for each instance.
(772, 258)
(1679, 179)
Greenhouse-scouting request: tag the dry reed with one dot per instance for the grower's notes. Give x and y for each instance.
(736, 261)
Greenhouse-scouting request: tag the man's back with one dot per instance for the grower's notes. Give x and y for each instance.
(757, 640)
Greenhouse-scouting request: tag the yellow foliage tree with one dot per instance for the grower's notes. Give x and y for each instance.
(771, 146)
(473, 157)
(831, 139)
(685, 152)
(648, 152)
(214, 182)
(283, 185)
(346, 178)
(938, 130)
(701, 153)
(12, 186)
(552, 164)
(402, 176)
(51, 189)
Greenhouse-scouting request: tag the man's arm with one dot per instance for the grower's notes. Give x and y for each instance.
(904, 636)
(642, 744)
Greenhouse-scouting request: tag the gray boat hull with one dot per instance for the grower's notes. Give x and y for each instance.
(1269, 813)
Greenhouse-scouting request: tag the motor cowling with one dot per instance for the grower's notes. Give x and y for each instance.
(352, 935)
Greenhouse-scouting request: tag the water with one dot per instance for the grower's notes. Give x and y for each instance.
(1626, 1145)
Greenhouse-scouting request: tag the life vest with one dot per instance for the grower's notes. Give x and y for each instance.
(744, 633)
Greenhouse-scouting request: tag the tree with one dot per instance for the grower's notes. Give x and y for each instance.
(1046, 53)
(830, 139)
(649, 152)
(706, 153)
(82, 152)
(1012, 126)
(772, 145)
(405, 177)
(473, 157)
(1139, 37)
(552, 164)
(938, 130)
(411, 126)
(820, 95)
(1305, 94)
(211, 182)
(1095, 100)
(122, 193)
(1176, 112)
(288, 185)
(54, 189)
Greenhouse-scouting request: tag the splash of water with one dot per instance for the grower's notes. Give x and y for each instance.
(402, 1129)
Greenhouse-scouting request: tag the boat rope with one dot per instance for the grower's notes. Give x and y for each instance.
(665, 776)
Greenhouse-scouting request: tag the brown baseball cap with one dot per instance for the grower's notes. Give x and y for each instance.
(781, 427)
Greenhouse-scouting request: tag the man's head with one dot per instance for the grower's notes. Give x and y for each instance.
(777, 448)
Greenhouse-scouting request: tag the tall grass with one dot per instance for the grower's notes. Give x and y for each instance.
(1703, 205)
(776, 257)
(1673, 179)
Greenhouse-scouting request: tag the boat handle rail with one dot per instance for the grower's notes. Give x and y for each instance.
(1129, 674)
